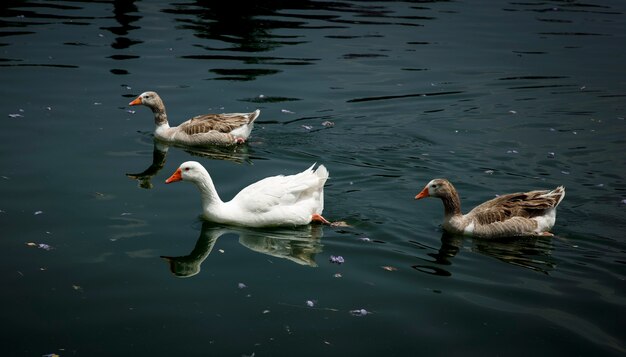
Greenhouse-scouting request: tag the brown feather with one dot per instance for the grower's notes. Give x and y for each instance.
(204, 123)
(521, 204)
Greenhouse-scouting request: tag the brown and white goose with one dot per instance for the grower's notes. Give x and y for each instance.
(201, 130)
(517, 214)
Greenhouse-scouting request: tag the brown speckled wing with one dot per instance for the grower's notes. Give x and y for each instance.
(217, 122)
(522, 204)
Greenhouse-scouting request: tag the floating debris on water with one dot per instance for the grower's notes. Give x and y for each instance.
(489, 172)
(242, 286)
(359, 312)
(43, 246)
(15, 115)
(338, 275)
(512, 151)
(551, 155)
(266, 311)
(221, 251)
(328, 124)
(38, 213)
(310, 303)
(307, 127)
(340, 224)
(287, 111)
(77, 288)
(365, 239)
(512, 111)
(565, 172)
(389, 268)
(337, 259)
(623, 201)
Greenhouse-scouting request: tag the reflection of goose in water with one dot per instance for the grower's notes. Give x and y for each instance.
(238, 154)
(299, 245)
(527, 252)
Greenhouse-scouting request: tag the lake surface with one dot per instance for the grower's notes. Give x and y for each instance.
(496, 96)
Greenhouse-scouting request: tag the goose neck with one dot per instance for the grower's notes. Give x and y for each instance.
(210, 197)
(451, 204)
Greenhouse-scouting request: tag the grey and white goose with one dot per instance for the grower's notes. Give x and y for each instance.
(530, 213)
(202, 130)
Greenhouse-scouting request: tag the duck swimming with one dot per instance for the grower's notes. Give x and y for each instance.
(201, 130)
(516, 214)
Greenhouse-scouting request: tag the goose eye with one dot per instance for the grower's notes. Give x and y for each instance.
(186, 169)
(433, 186)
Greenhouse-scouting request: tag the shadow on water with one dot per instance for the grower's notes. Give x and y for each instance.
(299, 245)
(122, 12)
(241, 33)
(238, 154)
(527, 252)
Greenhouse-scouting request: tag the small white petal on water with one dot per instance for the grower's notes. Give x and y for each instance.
(359, 312)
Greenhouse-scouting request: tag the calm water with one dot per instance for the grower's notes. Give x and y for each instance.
(496, 96)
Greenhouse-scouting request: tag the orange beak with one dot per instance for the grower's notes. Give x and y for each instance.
(422, 194)
(137, 101)
(176, 176)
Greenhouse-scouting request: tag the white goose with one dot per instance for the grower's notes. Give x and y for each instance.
(274, 201)
(517, 214)
(201, 130)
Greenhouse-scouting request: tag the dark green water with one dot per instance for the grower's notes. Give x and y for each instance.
(496, 96)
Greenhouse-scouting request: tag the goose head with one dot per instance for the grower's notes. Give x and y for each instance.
(436, 188)
(188, 171)
(149, 99)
